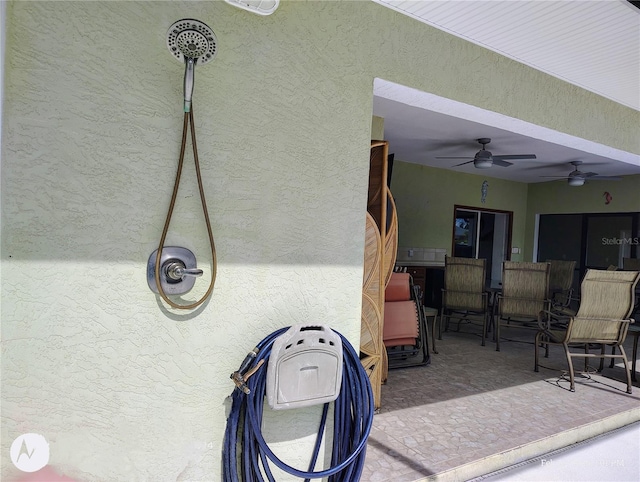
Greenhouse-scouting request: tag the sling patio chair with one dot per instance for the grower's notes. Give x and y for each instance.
(404, 329)
(603, 318)
(560, 281)
(633, 264)
(525, 293)
(464, 297)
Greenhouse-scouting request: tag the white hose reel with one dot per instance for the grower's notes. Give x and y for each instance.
(305, 367)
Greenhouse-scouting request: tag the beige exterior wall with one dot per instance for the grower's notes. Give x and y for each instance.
(123, 388)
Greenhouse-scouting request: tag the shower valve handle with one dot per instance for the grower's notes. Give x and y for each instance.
(175, 271)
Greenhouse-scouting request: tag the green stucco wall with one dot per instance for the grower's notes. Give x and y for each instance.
(122, 387)
(425, 197)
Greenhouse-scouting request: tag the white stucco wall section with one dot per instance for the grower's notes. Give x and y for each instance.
(122, 388)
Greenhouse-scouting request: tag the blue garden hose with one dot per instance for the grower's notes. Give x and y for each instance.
(247, 459)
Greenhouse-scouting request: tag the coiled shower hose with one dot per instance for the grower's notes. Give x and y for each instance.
(188, 120)
(353, 417)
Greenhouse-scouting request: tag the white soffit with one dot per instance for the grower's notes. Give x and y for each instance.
(427, 102)
(594, 44)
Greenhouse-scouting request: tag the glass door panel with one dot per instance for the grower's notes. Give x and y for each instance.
(609, 240)
(466, 234)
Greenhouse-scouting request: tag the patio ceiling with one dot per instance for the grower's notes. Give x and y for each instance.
(593, 44)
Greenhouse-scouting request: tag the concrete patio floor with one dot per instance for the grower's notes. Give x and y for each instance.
(474, 411)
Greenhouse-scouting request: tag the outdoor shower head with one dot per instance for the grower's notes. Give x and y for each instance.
(192, 42)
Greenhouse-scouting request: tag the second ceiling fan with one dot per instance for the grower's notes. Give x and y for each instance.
(577, 177)
(484, 159)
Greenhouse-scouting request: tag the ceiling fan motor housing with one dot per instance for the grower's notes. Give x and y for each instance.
(483, 158)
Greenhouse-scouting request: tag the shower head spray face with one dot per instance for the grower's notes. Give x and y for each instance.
(191, 39)
(192, 42)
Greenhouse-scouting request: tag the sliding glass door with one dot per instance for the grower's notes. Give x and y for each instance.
(483, 234)
(593, 240)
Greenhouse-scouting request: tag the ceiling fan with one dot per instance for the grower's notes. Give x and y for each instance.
(484, 159)
(577, 178)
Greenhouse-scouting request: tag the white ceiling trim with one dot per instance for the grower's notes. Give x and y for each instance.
(594, 44)
(424, 100)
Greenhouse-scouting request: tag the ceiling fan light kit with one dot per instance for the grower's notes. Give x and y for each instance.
(575, 181)
(483, 163)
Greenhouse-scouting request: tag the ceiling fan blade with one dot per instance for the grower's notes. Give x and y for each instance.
(468, 162)
(516, 156)
(501, 163)
(455, 157)
(556, 177)
(604, 178)
(589, 174)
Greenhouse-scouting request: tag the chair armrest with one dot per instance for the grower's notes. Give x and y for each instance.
(545, 317)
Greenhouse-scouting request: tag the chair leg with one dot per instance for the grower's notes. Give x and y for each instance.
(546, 348)
(586, 360)
(425, 342)
(537, 345)
(626, 368)
(484, 328)
(613, 352)
(602, 352)
(634, 355)
(572, 386)
(433, 334)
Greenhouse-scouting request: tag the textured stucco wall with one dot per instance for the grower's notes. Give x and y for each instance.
(425, 197)
(122, 388)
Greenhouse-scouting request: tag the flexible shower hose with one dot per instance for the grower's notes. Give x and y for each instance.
(353, 417)
(188, 120)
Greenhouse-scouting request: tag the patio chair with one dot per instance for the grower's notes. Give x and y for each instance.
(404, 330)
(560, 281)
(464, 296)
(525, 291)
(603, 318)
(633, 264)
